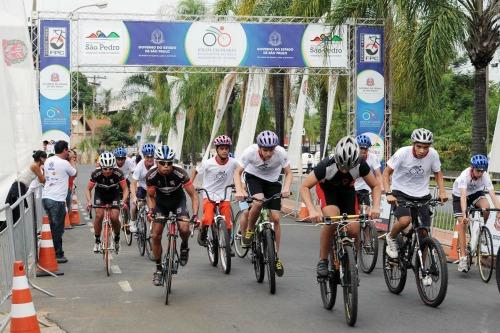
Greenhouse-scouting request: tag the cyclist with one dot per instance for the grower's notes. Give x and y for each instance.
(336, 176)
(410, 168)
(138, 183)
(217, 173)
(468, 190)
(262, 163)
(362, 189)
(165, 194)
(107, 180)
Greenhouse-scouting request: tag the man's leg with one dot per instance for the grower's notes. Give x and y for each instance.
(184, 232)
(156, 233)
(115, 223)
(59, 216)
(325, 241)
(206, 221)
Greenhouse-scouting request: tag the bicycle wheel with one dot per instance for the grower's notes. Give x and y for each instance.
(434, 264)
(369, 247)
(224, 246)
(498, 269)
(258, 259)
(394, 272)
(231, 233)
(141, 235)
(350, 285)
(124, 222)
(240, 251)
(485, 254)
(105, 252)
(270, 259)
(212, 245)
(170, 267)
(147, 243)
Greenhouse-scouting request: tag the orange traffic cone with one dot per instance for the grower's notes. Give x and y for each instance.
(75, 214)
(453, 256)
(67, 222)
(47, 253)
(303, 212)
(22, 313)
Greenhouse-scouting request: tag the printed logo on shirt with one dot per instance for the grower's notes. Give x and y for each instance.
(263, 166)
(416, 172)
(221, 175)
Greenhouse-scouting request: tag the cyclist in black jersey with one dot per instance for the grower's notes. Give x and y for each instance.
(165, 194)
(107, 181)
(335, 178)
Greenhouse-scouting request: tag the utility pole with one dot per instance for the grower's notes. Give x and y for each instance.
(94, 84)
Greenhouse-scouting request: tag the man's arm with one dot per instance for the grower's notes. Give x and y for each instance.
(193, 175)
(123, 185)
(151, 197)
(463, 201)
(191, 191)
(288, 182)
(443, 197)
(376, 192)
(305, 193)
(133, 190)
(88, 192)
(380, 181)
(387, 183)
(240, 191)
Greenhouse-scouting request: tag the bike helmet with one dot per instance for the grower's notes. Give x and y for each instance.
(346, 153)
(479, 162)
(422, 135)
(148, 149)
(120, 152)
(107, 160)
(164, 153)
(364, 141)
(222, 140)
(267, 139)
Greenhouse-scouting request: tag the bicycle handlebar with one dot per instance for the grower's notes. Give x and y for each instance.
(482, 210)
(265, 200)
(201, 189)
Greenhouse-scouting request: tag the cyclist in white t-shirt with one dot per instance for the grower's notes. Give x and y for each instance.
(411, 168)
(262, 164)
(468, 190)
(138, 188)
(217, 173)
(363, 191)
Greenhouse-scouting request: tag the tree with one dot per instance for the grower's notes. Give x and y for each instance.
(85, 90)
(191, 7)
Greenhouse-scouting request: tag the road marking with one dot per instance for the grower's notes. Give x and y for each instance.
(125, 286)
(299, 225)
(116, 269)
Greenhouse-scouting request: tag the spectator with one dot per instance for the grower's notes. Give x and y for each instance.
(57, 170)
(45, 144)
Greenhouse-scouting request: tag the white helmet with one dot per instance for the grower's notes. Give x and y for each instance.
(107, 160)
(346, 153)
(164, 153)
(422, 135)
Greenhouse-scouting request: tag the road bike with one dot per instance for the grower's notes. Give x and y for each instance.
(170, 260)
(479, 249)
(124, 223)
(368, 242)
(143, 233)
(422, 253)
(107, 243)
(342, 267)
(218, 241)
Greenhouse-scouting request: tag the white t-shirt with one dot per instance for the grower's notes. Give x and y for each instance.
(140, 174)
(374, 164)
(465, 181)
(269, 170)
(216, 177)
(57, 172)
(127, 168)
(411, 175)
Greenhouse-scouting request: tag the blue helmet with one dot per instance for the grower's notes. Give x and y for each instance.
(479, 162)
(148, 149)
(120, 152)
(364, 141)
(164, 153)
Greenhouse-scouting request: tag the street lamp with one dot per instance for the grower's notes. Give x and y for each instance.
(98, 4)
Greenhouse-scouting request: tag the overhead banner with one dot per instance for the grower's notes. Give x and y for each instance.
(117, 42)
(55, 80)
(370, 90)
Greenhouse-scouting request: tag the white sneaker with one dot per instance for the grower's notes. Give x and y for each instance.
(392, 247)
(132, 227)
(97, 247)
(462, 265)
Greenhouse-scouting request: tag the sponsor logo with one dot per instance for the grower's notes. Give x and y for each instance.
(325, 39)
(102, 44)
(370, 82)
(322, 47)
(101, 35)
(274, 39)
(53, 111)
(54, 77)
(14, 51)
(55, 42)
(369, 115)
(214, 35)
(370, 47)
(157, 37)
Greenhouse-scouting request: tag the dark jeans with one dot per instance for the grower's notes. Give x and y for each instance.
(12, 197)
(56, 210)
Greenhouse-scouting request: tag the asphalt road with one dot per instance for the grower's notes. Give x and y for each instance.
(206, 300)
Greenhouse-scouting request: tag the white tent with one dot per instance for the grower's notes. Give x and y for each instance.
(495, 148)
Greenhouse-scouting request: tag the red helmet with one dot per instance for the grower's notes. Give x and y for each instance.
(222, 140)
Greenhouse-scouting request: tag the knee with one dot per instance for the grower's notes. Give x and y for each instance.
(156, 237)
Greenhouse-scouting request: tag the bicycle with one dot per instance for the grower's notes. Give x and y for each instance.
(218, 238)
(143, 233)
(430, 261)
(106, 235)
(368, 242)
(498, 269)
(170, 260)
(237, 234)
(480, 243)
(263, 245)
(124, 223)
(342, 267)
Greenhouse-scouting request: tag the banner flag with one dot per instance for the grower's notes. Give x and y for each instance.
(332, 90)
(295, 147)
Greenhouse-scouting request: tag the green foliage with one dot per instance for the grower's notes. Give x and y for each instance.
(112, 137)
(85, 90)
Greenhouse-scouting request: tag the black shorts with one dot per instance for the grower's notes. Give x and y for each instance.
(344, 199)
(363, 197)
(256, 185)
(471, 200)
(176, 205)
(141, 193)
(101, 199)
(423, 212)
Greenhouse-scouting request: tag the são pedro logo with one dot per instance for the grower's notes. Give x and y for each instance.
(100, 41)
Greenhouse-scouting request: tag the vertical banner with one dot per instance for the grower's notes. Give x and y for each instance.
(176, 135)
(253, 100)
(225, 90)
(55, 81)
(370, 90)
(295, 147)
(332, 90)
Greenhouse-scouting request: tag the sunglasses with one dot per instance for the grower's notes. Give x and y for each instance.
(107, 169)
(120, 158)
(163, 163)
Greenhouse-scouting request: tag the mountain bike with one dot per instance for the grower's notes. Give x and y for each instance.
(342, 267)
(218, 237)
(479, 243)
(143, 233)
(422, 253)
(124, 223)
(107, 243)
(368, 242)
(170, 260)
(237, 233)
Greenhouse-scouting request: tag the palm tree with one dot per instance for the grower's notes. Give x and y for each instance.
(191, 7)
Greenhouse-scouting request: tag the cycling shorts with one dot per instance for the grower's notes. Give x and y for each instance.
(176, 205)
(209, 212)
(256, 185)
(471, 200)
(346, 201)
(423, 212)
